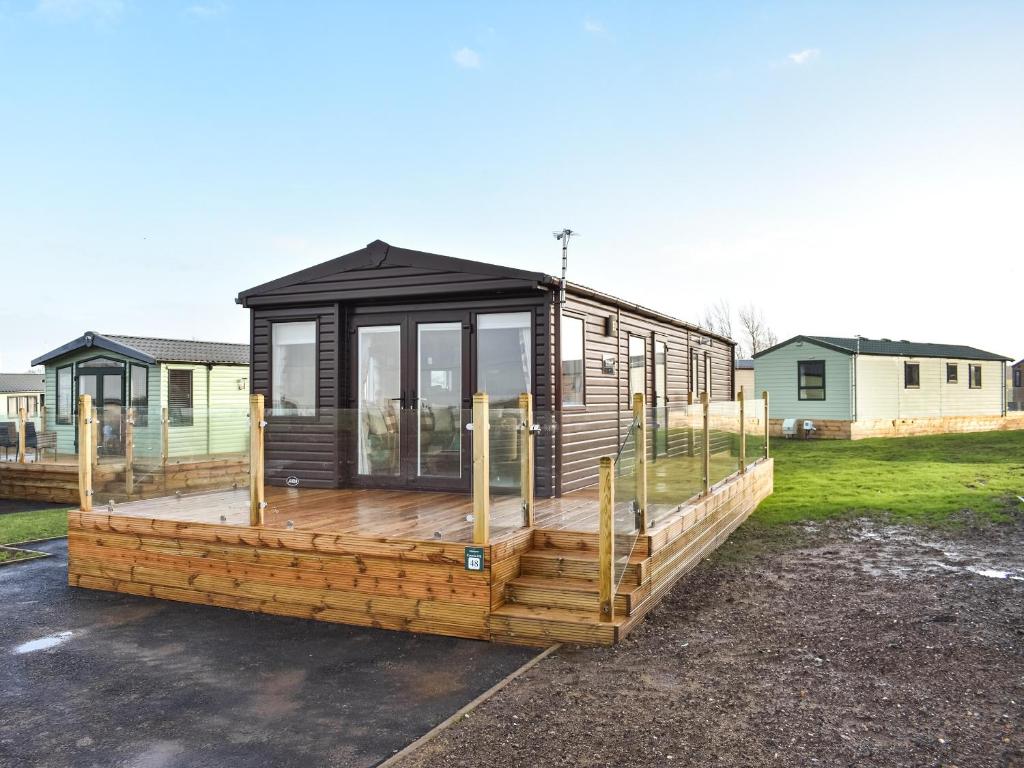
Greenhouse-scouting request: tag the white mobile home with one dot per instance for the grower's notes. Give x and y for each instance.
(858, 387)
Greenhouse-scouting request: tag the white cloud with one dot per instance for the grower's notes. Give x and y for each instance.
(467, 58)
(804, 56)
(205, 10)
(70, 10)
(593, 26)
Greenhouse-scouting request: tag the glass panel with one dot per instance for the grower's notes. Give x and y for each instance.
(139, 400)
(724, 425)
(101, 362)
(660, 423)
(293, 369)
(572, 360)
(504, 349)
(379, 393)
(88, 384)
(110, 413)
(678, 475)
(624, 512)
(755, 421)
(65, 396)
(507, 449)
(439, 403)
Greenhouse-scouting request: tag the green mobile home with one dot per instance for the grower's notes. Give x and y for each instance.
(190, 395)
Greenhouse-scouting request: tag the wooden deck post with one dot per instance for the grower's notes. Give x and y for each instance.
(706, 402)
(640, 494)
(527, 458)
(85, 435)
(42, 419)
(481, 471)
(257, 425)
(129, 452)
(95, 437)
(764, 394)
(606, 539)
(743, 434)
(21, 436)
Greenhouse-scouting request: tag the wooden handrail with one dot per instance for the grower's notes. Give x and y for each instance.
(257, 426)
(606, 539)
(85, 450)
(481, 471)
(527, 459)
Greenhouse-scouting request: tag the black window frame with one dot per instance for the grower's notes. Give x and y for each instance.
(800, 386)
(69, 417)
(141, 412)
(954, 369)
(1017, 376)
(583, 361)
(175, 417)
(907, 367)
(271, 386)
(971, 368)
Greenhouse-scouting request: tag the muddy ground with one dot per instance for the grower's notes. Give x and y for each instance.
(844, 644)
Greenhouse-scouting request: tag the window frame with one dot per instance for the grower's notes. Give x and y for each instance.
(906, 379)
(629, 367)
(315, 320)
(664, 373)
(69, 417)
(695, 373)
(582, 403)
(178, 421)
(800, 387)
(953, 368)
(1017, 376)
(531, 374)
(141, 412)
(971, 368)
(707, 374)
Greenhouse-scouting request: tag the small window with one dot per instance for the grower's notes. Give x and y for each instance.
(140, 394)
(572, 361)
(660, 374)
(911, 375)
(1016, 377)
(952, 373)
(707, 374)
(974, 374)
(65, 395)
(504, 348)
(637, 366)
(293, 368)
(694, 373)
(179, 397)
(811, 380)
(12, 406)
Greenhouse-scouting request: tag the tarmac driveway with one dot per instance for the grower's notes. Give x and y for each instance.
(96, 679)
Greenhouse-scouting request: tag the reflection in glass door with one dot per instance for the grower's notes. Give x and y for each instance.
(660, 399)
(107, 391)
(379, 393)
(439, 400)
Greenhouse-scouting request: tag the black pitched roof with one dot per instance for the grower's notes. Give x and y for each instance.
(21, 382)
(152, 350)
(890, 348)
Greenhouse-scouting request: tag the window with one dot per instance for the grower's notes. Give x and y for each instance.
(911, 375)
(293, 368)
(179, 397)
(637, 366)
(660, 374)
(811, 380)
(139, 399)
(1016, 377)
(974, 376)
(503, 351)
(572, 361)
(694, 373)
(952, 373)
(707, 374)
(65, 395)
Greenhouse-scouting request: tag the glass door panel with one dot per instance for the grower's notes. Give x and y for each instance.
(379, 401)
(109, 410)
(660, 398)
(439, 400)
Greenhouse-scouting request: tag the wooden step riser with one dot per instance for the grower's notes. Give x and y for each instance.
(544, 632)
(544, 538)
(553, 597)
(573, 569)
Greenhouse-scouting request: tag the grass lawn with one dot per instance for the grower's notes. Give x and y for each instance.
(935, 480)
(28, 526)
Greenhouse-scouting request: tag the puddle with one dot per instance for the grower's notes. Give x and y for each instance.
(43, 643)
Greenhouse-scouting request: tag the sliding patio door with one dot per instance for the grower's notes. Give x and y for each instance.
(410, 388)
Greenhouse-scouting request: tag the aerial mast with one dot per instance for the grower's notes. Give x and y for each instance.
(564, 236)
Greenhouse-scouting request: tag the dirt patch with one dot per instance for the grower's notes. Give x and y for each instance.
(839, 644)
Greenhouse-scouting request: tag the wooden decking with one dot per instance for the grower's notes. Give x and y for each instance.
(395, 559)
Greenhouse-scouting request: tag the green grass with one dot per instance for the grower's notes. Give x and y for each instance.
(937, 480)
(28, 526)
(10, 555)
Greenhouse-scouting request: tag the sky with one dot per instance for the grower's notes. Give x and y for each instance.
(847, 168)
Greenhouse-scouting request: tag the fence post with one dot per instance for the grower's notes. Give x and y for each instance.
(764, 394)
(481, 471)
(706, 402)
(606, 539)
(527, 458)
(21, 436)
(743, 433)
(129, 452)
(640, 493)
(85, 450)
(257, 425)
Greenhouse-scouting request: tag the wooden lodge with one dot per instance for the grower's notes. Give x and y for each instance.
(443, 446)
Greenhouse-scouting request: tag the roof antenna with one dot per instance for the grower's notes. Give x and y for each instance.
(564, 236)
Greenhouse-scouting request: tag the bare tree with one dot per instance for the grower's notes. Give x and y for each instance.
(759, 335)
(717, 318)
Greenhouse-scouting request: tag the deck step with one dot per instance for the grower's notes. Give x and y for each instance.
(562, 592)
(538, 626)
(575, 564)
